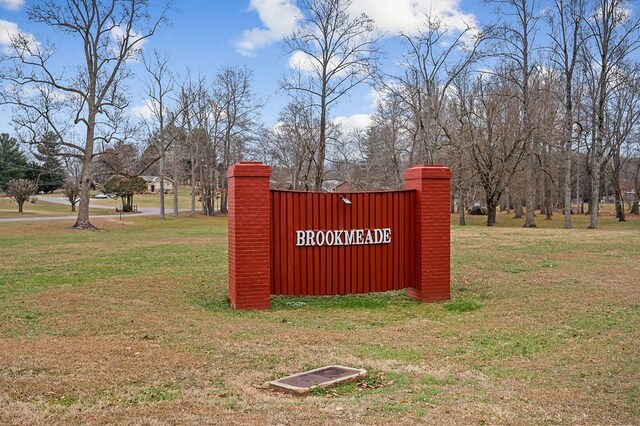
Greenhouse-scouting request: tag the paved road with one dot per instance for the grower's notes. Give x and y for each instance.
(143, 211)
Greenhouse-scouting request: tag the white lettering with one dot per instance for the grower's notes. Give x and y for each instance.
(343, 237)
(338, 241)
(369, 239)
(348, 238)
(299, 238)
(310, 238)
(332, 234)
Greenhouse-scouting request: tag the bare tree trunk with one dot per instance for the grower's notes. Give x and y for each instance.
(529, 221)
(461, 208)
(321, 144)
(193, 184)
(635, 210)
(517, 207)
(568, 224)
(212, 186)
(176, 187)
(225, 188)
(491, 213)
(619, 199)
(579, 196)
(548, 198)
(161, 167)
(452, 203)
(594, 201)
(83, 207)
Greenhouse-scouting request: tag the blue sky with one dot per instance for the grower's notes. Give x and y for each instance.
(207, 34)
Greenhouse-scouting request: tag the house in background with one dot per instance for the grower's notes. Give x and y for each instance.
(153, 184)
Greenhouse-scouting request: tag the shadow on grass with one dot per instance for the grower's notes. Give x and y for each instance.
(372, 301)
(350, 301)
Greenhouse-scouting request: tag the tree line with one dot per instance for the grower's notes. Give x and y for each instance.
(535, 112)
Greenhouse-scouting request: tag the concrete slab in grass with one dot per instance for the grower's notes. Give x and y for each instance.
(324, 377)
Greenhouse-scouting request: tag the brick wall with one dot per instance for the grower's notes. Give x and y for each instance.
(433, 247)
(249, 235)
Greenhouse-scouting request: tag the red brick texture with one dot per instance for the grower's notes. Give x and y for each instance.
(433, 247)
(249, 235)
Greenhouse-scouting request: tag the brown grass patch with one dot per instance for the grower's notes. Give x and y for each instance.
(129, 325)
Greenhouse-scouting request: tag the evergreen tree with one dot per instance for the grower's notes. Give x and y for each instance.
(49, 173)
(13, 162)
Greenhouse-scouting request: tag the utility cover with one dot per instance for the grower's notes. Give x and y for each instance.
(324, 377)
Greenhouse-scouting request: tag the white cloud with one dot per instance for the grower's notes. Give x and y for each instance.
(145, 111)
(301, 61)
(395, 16)
(280, 18)
(118, 34)
(11, 4)
(9, 32)
(307, 64)
(353, 122)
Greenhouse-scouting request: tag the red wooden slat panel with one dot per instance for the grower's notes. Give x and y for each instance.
(298, 255)
(395, 275)
(380, 223)
(345, 269)
(277, 252)
(411, 219)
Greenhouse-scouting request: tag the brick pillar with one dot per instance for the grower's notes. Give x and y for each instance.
(249, 235)
(433, 253)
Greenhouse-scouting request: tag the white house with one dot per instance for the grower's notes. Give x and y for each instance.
(153, 183)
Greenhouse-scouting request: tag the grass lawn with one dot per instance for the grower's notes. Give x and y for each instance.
(131, 325)
(9, 209)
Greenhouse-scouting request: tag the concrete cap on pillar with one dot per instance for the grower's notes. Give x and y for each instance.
(249, 169)
(430, 171)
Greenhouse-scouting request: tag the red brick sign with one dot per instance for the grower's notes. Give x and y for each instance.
(309, 243)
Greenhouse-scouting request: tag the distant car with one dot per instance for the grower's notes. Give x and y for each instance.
(101, 196)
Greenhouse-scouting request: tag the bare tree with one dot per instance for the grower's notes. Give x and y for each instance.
(19, 190)
(292, 144)
(110, 33)
(492, 138)
(623, 114)
(237, 119)
(71, 192)
(386, 145)
(196, 106)
(635, 206)
(159, 85)
(333, 53)
(567, 39)
(614, 34)
(515, 39)
(432, 60)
